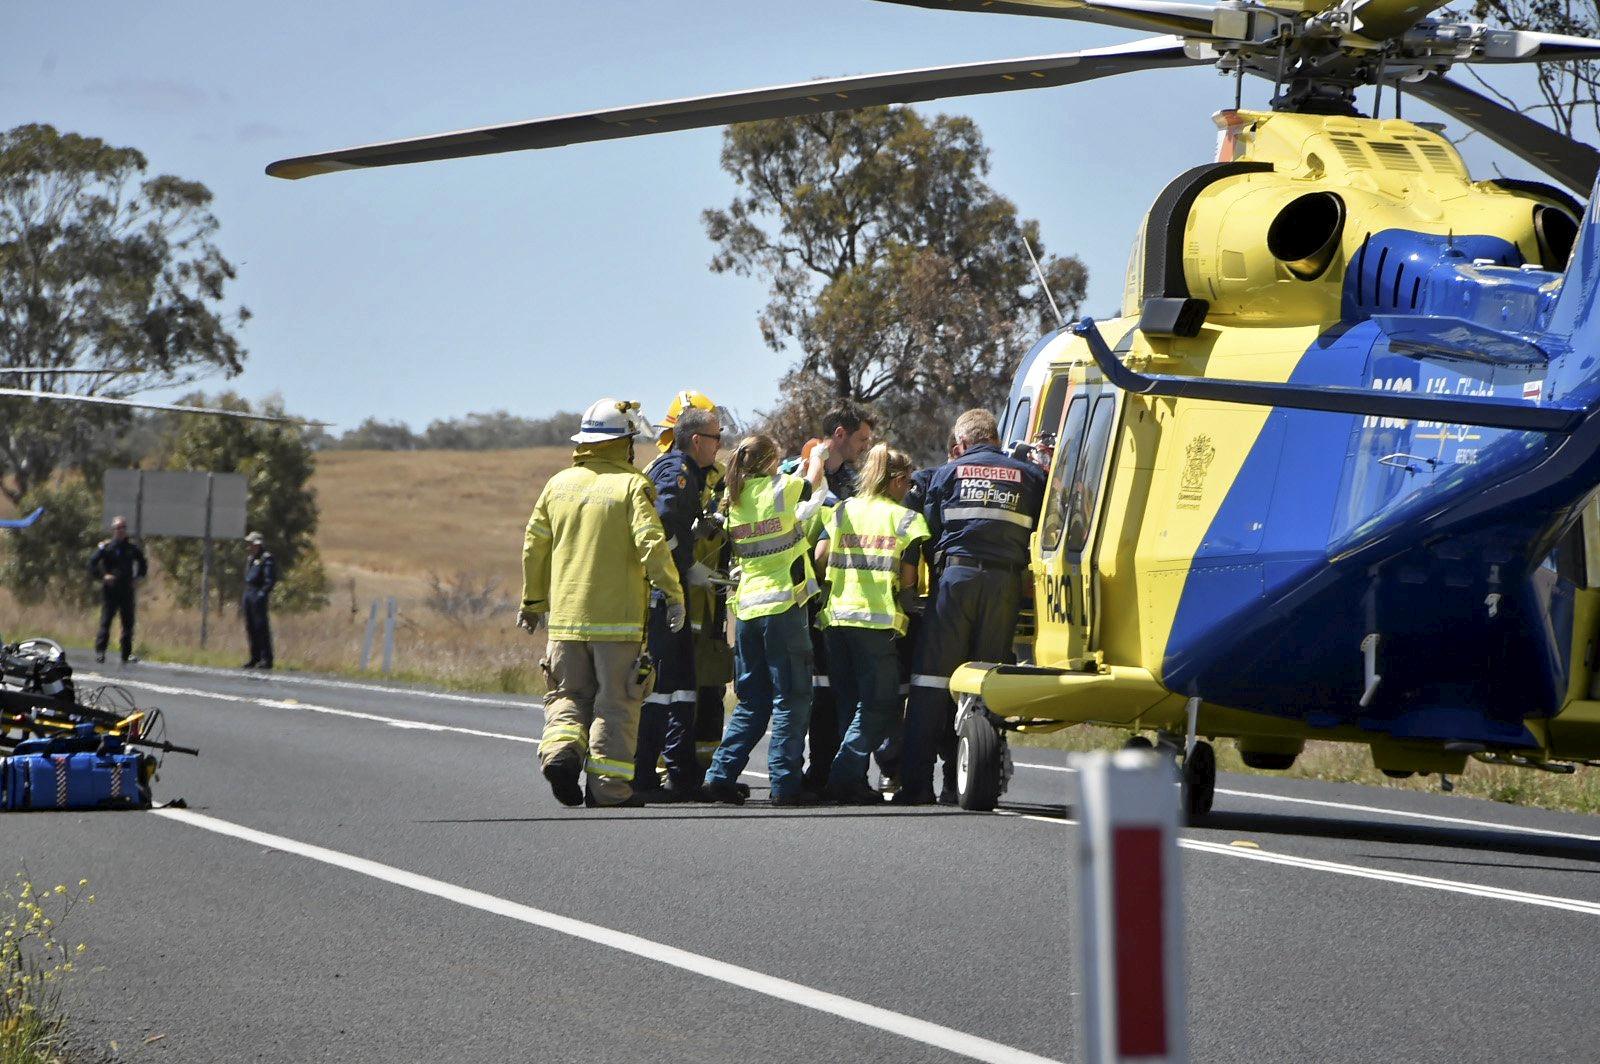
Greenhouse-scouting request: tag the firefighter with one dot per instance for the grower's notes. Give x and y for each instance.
(592, 542)
(119, 565)
(981, 508)
(870, 550)
(667, 725)
(772, 646)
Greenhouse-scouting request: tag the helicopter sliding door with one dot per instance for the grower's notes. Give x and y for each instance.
(1066, 584)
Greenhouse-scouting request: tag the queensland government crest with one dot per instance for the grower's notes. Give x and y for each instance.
(1197, 460)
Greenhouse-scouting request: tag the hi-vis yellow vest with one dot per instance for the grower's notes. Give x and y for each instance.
(767, 539)
(866, 538)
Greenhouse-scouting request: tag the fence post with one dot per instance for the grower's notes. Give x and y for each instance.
(366, 643)
(388, 638)
(1130, 910)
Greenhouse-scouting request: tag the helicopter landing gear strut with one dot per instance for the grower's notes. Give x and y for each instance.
(1199, 767)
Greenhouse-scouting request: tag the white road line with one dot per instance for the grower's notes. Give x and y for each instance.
(277, 703)
(1414, 816)
(315, 681)
(1491, 825)
(1549, 901)
(933, 1034)
(419, 725)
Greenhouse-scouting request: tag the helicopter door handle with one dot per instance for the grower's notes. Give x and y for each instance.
(1401, 460)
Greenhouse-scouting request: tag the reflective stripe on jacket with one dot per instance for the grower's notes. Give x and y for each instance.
(592, 542)
(770, 547)
(867, 538)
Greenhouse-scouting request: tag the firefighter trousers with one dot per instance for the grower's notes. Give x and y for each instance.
(594, 691)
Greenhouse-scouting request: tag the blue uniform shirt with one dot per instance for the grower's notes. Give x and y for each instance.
(679, 485)
(261, 574)
(984, 506)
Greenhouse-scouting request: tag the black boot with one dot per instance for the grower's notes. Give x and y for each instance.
(563, 776)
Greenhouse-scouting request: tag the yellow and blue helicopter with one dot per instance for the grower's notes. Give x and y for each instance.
(1332, 471)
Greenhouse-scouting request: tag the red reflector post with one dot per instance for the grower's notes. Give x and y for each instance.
(1130, 915)
(1140, 961)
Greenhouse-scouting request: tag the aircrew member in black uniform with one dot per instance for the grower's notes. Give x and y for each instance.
(118, 564)
(666, 725)
(981, 509)
(260, 577)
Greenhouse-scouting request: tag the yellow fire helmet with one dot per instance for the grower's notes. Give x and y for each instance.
(680, 402)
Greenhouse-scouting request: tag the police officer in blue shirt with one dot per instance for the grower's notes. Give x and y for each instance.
(666, 724)
(260, 577)
(981, 508)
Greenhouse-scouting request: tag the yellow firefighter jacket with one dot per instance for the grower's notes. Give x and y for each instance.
(592, 540)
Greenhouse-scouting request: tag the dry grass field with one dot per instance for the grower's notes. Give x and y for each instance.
(391, 519)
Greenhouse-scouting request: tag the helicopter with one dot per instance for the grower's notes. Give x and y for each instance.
(1331, 472)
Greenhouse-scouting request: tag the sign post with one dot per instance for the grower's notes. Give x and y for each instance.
(205, 562)
(1130, 910)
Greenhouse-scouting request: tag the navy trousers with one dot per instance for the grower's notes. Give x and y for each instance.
(258, 627)
(973, 618)
(666, 722)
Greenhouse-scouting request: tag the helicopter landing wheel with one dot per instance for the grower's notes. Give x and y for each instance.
(1138, 742)
(980, 761)
(1199, 779)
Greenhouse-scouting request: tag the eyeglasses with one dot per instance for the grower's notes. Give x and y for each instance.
(709, 436)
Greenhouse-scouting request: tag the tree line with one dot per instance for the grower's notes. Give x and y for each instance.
(496, 430)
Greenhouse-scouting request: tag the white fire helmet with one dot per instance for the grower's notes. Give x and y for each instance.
(612, 419)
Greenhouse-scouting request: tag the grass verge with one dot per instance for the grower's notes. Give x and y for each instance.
(1349, 763)
(491, 656)
(34, 962)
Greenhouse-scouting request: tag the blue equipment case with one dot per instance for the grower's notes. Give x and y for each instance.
(61, 774)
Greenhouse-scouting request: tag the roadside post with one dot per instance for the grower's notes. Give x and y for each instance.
(388, 638)
(366, 642)
(1130, 910)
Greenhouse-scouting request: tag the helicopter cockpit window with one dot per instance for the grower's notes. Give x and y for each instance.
(1055, 396)
(1055, 505)
(1086, 481)
(1018, 429)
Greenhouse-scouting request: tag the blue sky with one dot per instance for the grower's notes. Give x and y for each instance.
(542, 280)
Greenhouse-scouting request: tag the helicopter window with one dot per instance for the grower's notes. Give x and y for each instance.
(1091, 467)
(1055, 397)
(1019, 423)
(1055, 506)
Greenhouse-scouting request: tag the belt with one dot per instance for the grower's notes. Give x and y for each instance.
(959, 562)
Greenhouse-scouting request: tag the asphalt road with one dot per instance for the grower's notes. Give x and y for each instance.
(379, 874)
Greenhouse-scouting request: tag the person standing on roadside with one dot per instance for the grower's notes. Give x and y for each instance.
(667, 724)
(260, 577)
(119, 565)
(593, 541)
(870, 551)
(772, 647)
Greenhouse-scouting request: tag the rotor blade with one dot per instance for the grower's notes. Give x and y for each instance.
(55, 371)
(1560, 158)
(1168, 16)
(1383, 19)
(783, 101)
(1529, 46)
(175, 408)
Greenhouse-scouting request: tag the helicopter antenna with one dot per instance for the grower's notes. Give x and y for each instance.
(1060, 321)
